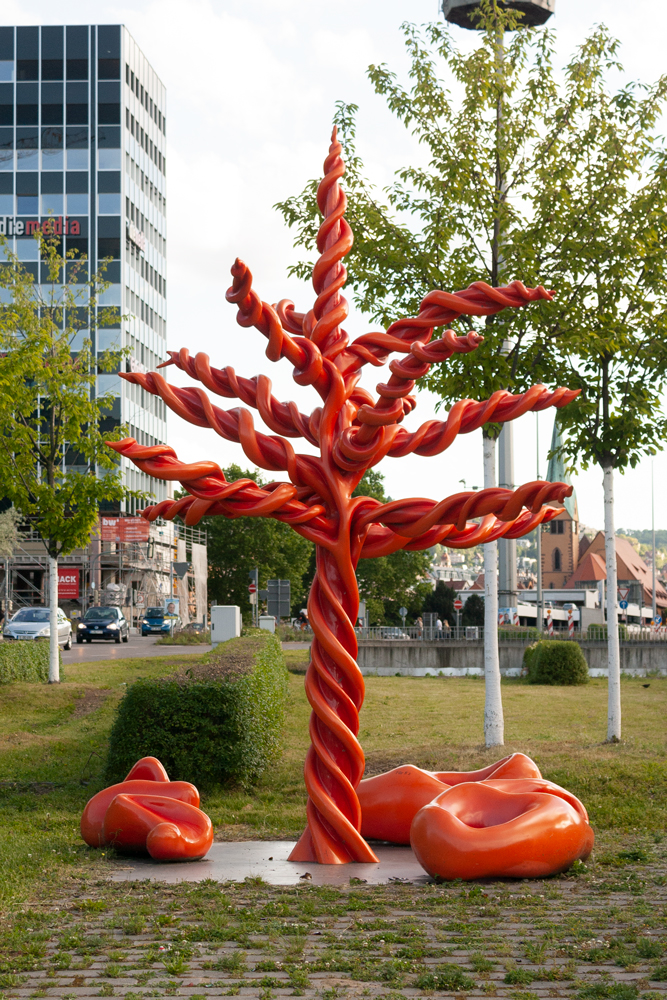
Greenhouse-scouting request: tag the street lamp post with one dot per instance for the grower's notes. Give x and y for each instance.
(465, 13)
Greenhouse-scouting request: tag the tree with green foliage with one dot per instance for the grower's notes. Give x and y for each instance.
(473, 611)
(466, 225)
(55, 468)
(237, 546)
(550, 178)
(441, 602)
(394, 581)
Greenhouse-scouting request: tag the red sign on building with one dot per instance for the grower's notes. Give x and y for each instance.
(124, 529)
(68, 582)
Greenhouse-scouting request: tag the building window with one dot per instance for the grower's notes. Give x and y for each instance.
(557, 527)
(557, 559)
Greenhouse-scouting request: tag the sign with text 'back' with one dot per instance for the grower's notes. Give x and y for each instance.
(68, 582)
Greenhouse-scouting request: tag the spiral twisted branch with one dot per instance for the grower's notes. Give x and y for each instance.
(382, 540)
(283, 418)
(210, 493)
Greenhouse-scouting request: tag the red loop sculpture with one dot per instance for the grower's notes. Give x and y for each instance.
(513, 828)
(390, 801)
(148, 812)
(353, 432)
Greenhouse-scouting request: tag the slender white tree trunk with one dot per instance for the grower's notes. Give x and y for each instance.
(494, 726)
(613, 649)
(54, 657)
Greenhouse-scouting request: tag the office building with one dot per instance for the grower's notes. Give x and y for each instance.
(83, 156)
(83, 151)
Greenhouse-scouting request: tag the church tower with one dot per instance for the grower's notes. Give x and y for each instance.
(560, 537)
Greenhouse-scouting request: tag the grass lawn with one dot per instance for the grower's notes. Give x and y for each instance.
(595, 934)
(53, 740)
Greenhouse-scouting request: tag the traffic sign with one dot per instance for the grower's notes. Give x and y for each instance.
(657, 620)
(402, 612)
(623, 605)
(623, 593)
(252, 588)
(458, 603)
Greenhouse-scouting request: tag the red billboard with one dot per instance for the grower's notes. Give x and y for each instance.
(68, 582)
(124, 529)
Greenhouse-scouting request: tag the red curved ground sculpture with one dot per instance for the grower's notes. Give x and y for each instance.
(352, 431)
(503, 820)
(390, 801)
(519, 828)
(149, 813)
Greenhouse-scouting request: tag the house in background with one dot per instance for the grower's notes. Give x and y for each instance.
(633, 573)
(571, 561)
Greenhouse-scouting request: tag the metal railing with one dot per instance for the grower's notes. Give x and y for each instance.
(475, 633)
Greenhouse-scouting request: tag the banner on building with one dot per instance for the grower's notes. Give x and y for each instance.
(68, 583)
(124, 529)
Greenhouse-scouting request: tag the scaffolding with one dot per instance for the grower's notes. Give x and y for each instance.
(171, 565)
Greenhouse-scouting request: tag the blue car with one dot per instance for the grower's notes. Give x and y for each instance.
(155, 622)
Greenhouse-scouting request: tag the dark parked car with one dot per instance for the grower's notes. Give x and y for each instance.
(156, 622)
(103, 623)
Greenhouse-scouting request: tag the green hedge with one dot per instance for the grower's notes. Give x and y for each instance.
(25, 660)
(555, 661)
(216, 723)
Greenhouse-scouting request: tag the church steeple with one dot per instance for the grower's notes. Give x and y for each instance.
(556, 472)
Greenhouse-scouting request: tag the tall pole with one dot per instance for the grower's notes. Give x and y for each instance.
(466, 14)
(539, 619)
(507, 579)
(654, 607)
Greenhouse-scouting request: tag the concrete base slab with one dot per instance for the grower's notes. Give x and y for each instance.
(233, 862)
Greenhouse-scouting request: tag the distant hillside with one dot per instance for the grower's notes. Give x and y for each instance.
(644, 537)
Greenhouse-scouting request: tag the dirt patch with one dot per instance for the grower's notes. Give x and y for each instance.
(229, 665)
(228, 668)
(92, 699)
(36, 787)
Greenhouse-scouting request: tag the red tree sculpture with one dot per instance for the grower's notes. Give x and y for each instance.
(353, 432)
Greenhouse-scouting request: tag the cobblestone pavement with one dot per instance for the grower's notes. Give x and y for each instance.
(597, 934)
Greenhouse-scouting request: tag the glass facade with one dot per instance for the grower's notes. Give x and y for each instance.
(83, 144)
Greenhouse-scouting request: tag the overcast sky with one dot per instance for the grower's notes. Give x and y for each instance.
(251, 91)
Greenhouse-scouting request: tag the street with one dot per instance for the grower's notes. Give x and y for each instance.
(135, 646)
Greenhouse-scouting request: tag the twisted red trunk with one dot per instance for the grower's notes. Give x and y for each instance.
(335, 689)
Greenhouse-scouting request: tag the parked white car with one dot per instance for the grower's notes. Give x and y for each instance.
(33, 623)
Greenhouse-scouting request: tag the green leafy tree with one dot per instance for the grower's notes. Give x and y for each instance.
(394, 581)
(55, 468)
(473, 611)
(235, 547)
(467, 225)
(441, 601)
(552, 178)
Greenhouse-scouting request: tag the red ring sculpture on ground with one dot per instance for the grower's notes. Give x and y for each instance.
(352, 431)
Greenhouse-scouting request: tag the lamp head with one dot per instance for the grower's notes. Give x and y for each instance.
(463, 12)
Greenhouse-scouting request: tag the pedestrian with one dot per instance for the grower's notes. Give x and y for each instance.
(446, 629)
(438, 628)
(420, 626)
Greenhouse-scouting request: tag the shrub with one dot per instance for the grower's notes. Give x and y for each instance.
(552, 661)
(26, 660)
(218, 722)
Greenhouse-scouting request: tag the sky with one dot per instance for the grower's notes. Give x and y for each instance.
(251, 90)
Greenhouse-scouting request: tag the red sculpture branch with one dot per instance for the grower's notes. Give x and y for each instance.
(352, 432)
